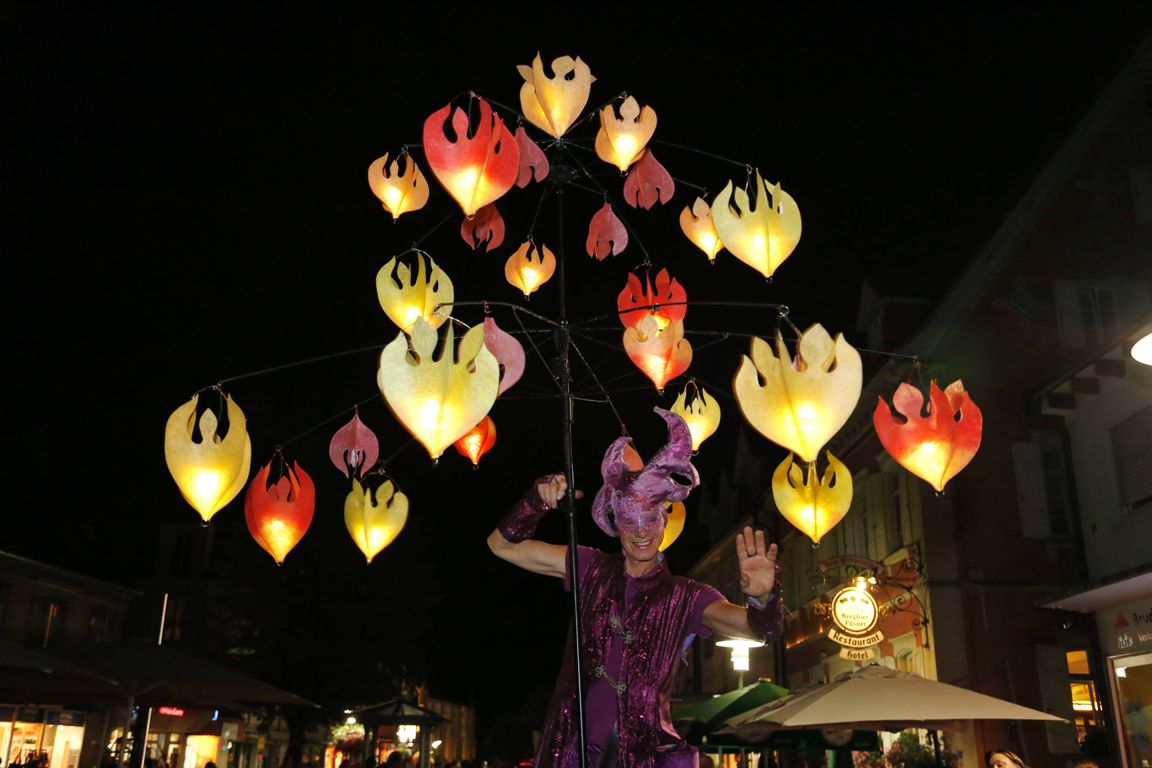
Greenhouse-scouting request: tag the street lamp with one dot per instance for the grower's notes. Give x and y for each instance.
(1142, 349)
(740, 658)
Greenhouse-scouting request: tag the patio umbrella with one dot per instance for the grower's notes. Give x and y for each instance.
(708, 713)
(30, 676)
(877, 698)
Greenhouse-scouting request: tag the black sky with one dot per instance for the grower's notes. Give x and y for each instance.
(188, 204)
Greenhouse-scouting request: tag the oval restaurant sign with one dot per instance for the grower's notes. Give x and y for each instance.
(855, 613)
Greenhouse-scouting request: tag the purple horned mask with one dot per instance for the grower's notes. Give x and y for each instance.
(636, 493)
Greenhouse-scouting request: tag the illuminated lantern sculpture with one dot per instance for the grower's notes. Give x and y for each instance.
(813, 506)
(279, 515)
(486, 228)
(662, 354)
(209, 470)
(354, 447)
(533, 161)
(407, 294)
(696, 223)
(760, 234)
(438, 399)
(621, 140)
(668, 302)
(552, 104)
(399, 190)
(935, 446)
(675, 525)
(648, 183)
(530, 267)
(477, 441)
(480, 163)
(374, 520)
(607, 235)
(702, 415)
(803, 401)
(508, 352)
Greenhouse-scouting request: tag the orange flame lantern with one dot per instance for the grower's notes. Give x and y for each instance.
(661, 354)
(374, 520)
(675, 525)
(813, 507)
(479, 165)
(530, 267)
(761, 234)
(935, 446)
(407, 294)
(279, 515)
(400, 190)
(438, 399)
(209, 471)
(800, 403)
(552, 104)
(702, 415)
(696, 223)
(667, 303)
(621, 140)
(477, 441)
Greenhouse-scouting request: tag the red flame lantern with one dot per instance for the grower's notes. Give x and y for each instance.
(279, 515)
(477, 441)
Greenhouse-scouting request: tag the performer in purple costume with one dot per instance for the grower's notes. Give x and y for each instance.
(637, 619)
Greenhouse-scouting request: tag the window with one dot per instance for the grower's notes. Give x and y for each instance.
(1042, 484)
(1090, 312)
(1132, 449)
(46, 623)
(98, 625)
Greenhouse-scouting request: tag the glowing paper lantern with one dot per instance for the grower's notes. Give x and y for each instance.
(552, 104)
(675, 525)
(607, 235)
(621, 140)
(668, 302)
(354, 447)
(407, 295)
(279, 515)
(696, 223)
(813, 506)
(374, 520)
(648, 183)
(486, 228)
(936, 446)
(477, 441)
(508, 352)
(480, 163)
(209, 470)
(661, 354)
(533, 161)
(438, 399)
(702, 415)
(530, 267)
(801, 402)
(760, 234)
(400, 190)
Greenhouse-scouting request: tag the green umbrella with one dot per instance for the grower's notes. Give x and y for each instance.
(719, 708)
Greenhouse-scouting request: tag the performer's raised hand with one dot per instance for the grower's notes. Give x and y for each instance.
(757, 563)
(552, 488)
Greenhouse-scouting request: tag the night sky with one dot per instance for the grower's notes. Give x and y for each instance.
(187, 205)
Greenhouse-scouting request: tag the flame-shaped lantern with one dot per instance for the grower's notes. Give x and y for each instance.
(702, 414)
(661, 354)
(438, 399)
(477, 441)
(279, 515)
(400, 190)
(675, 525)
(669, 302)
(407, 295)
(813, 506)
(374, 523)
(210, 470)
(485, 229)
(802, 402)
(696, 223)
(607, 235)
(354, 447)
(621, 139)
(480, 163)
(508, 352)
(530, 267)
(552, 104)
(760, 234)
(935, 446)
(648, 183)
(533, 161)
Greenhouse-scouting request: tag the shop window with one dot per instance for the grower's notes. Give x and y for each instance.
(1087, 709)
(1133, 677)
(1132, 450)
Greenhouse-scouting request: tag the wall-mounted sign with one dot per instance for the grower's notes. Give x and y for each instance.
(854, 563)
(855, 613)
(170, 711)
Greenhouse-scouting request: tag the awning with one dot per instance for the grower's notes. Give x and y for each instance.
(1125, 588)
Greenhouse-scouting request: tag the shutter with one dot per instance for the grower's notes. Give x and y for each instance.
(1132, 448)
(1030, 494)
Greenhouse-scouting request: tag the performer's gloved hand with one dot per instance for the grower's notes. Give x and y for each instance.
(520, 522)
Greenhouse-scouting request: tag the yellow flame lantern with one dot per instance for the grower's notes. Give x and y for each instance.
(696, 223)
(438, 399)
(407, 295)
(212, 470)
(801, 402)
(479, 162)
(552, 104)
(813, 506)
(399, 190)
(702, 415)
(621, 140)
(279, 515)
(530, 267)
(661, 354)
(675, 525)
(374, 520)
(762, 234)
(477, 441)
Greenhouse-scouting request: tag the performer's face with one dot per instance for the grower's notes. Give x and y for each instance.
(640, 535)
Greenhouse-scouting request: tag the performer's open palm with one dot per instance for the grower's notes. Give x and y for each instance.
(757, 563)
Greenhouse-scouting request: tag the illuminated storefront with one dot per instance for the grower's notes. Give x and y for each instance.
(36, 734)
